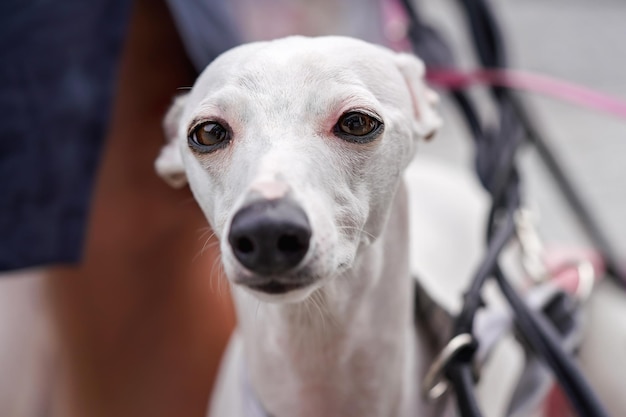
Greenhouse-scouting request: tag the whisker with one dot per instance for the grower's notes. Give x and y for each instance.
(212, 276)
(224, 283)
(208, 244)
(329, 313)
(204, 230)
(309, 316)
(300, 312)
(316, 303)
(220, 276)
(200, 252)
(360, 230)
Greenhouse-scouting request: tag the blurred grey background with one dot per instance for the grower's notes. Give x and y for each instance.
(583, 42)
(580, 41)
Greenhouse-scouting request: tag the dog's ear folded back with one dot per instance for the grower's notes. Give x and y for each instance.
(423, 98)
(169, 163)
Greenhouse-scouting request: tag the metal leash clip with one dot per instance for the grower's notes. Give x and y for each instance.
(586, 277)
(435, 384)
(530, 245)
(534, 265)
(586, 280)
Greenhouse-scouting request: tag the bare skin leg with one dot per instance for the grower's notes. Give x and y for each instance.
(142, 324)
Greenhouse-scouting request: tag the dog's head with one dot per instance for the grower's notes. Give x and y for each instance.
(294, 149)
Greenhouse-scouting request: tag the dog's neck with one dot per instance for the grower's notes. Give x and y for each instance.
(350, 349)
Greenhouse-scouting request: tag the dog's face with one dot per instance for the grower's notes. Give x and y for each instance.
(294, 150)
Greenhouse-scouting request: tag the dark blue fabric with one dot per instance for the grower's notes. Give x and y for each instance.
(58, 61)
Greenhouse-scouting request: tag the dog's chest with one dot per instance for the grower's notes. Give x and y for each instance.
(313, 378)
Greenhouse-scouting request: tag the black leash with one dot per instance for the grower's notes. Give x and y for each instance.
(489, 45)
(496, 168)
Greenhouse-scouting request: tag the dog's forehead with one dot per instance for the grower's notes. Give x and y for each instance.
(300, 62)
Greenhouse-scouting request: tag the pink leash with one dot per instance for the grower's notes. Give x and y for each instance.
(522, 80)
(563, 270)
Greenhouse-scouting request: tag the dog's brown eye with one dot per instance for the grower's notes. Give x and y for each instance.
(357, 127)
(208, 136)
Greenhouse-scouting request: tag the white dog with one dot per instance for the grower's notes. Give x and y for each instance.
(295, 151)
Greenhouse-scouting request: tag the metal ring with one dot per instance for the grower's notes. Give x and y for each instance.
(435, 385)
(586, 279)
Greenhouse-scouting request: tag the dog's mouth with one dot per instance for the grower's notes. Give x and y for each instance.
(276, 287)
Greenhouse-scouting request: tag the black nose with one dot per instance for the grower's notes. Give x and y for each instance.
(270, 236)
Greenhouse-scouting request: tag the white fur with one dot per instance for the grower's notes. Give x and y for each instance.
(346, 344)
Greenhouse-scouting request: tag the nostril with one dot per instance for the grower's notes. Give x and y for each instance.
(244, 245)
(292, 244)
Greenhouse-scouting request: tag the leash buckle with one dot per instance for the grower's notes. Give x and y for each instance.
(435, 384)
